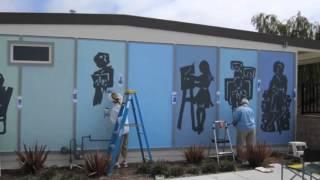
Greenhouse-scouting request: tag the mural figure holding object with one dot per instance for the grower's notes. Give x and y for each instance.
(276, 102)
(241, 85)
(103, 77)
(5, 96)
(202, 99)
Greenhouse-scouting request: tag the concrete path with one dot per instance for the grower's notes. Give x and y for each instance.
(246, 175)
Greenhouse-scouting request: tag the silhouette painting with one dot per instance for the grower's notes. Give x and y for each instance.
(276, 102)
(5, 96)
(240, 85)
(202, 100)
(103, 77)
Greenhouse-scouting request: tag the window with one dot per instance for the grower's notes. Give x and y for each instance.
(30, 53)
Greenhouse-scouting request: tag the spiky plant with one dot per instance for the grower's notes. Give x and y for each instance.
(255, 154)
(194, 154)
(97, 163)
(33, 158)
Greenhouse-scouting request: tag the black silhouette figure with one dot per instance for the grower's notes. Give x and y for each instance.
(203, 98)
(276, 102)
(241, 85)
(102, 78)
(5, 96)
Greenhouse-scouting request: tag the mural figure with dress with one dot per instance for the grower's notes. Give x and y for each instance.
(276, 102)
(202, 100)
(103, 77)
(5, 96)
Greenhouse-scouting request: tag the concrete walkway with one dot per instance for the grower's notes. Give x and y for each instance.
(246, 175)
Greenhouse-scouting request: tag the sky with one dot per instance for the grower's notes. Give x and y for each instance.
(234, 14)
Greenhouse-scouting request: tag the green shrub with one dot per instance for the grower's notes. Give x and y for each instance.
(194, 154)
(176, 171)
(226, 166)
(193, 170)
(160, 168)
(255, 154)
(96, 163)
(209, 167)
(144, 168)
(33, 159)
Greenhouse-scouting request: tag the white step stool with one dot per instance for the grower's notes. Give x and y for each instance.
(296, 148)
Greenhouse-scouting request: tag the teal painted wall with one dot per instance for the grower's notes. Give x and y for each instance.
(46, 115)
(90, 118)
(150, 74)
(10, 73)
(249, 59)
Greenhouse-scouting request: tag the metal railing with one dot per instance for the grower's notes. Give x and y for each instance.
(310, 98)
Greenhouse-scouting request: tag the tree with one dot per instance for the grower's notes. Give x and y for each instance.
(297, 26)
(266, 23)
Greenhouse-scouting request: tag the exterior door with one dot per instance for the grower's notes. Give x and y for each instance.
(237, 80)
(277, 97)
(195, 87)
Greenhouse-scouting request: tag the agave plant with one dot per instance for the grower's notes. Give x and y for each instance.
(32, 159)
(97, 163)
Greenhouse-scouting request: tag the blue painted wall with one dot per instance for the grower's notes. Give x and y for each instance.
(153, 70)
(90, 119)
(266, 62)
(186, 135)
(46, 116)
(249, 58)
(151, 74)
(10, 74)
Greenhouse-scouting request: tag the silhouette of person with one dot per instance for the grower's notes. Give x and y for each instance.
(203, 97)
(278, 91)
(102, 78)
(5, 96)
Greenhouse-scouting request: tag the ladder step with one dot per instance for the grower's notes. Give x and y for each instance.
(225, 153)
(221, 141)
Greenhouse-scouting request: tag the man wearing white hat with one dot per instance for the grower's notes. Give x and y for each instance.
(116, 99)
(243, 120)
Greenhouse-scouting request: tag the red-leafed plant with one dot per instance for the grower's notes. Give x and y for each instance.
(97, 163)
(194, 154)
(33, 158)
(254, 154)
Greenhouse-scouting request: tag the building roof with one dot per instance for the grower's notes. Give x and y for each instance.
(112, 19)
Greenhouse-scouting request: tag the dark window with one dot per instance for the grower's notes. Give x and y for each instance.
(31, 53)
(309, 88)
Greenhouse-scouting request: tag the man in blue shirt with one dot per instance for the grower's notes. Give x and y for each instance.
(243, 120)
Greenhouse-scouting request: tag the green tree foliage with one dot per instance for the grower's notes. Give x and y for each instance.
(297, 26)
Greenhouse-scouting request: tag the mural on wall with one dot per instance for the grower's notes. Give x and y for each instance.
(5, 96)
(103, 77)
(100, 70)
(240, 85)
(276, 107)
(195, 90)
(276, 102)
(237, 74)
(189, 81)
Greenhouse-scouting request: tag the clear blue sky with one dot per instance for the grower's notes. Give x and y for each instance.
(225, 13)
